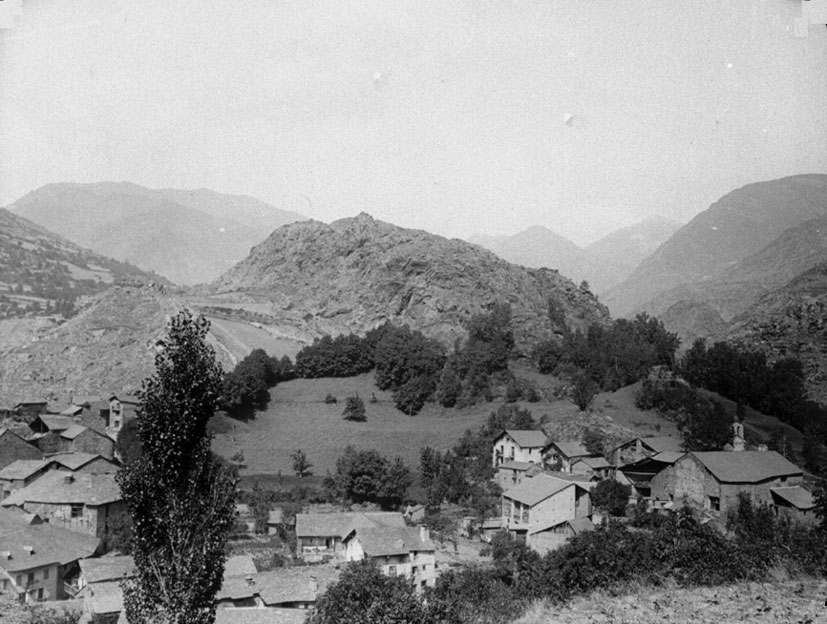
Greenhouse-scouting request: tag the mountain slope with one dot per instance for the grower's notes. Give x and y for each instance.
(38, 268)
(187, 236)
(357, 273)
(735, 227)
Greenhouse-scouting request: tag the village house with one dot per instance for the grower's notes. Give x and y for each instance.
(593, 467)
(30, 408)
(50, 423)
(513, 473)
(542, 503)
(39, 561)
(639, 448)
(795, 503)
(99, 586)
(87, 503)
(122, 408)
(638, 475)
(320, 535)
(21, 473)
(80, 439)
(561, 455)
(82, 462)
(398, 551)
(714, 480)
(13, 447)
(521, 445)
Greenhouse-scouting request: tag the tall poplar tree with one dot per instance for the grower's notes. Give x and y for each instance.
(180, 498)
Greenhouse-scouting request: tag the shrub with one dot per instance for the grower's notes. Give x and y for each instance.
(611, 496)
(354, 409)
(330, 399)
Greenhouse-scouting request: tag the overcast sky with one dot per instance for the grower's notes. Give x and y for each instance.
(455, 117)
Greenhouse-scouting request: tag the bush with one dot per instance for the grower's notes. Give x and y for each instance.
(611, 496)
(342, 356)
(354, 409)
(330, 399)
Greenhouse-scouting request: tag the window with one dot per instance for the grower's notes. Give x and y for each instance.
(715, 503)
(45, 574)
(30, 578)
(77, 510)
(19, 580)
(414, 570)
(391, 570)
(40, 594)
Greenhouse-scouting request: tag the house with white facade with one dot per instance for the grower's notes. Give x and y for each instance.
(406, 551)
(519, 445)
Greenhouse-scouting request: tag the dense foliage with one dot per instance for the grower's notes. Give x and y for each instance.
(247, 387)
(354, 409)
(342, 356)
(179, 497)
(611, 497)
(369, 477)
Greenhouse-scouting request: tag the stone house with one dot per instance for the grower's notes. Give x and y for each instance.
(100, 586)
(714, 480)
(398, 551)
(82, 462)
(639, 475)
(795, 503)
(80, 439)
(21, 473)
(594, 467)
(639, 448)
(561, 455)
(521, 445)
(513, 473)
(86, 503)
(13, 447)
(320, 535)
(543, 502)
(30, 408)
(38, 561)
(122, 408)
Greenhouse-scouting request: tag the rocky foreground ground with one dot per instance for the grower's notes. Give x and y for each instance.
(794, 602)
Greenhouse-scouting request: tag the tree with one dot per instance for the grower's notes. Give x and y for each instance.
(300, 464)
(704, 425)
(128, 444)
(583, 391)
(179, 496)
(368, 477)
(611, 496)
(363, 595)
(354, 409)
(594, 441)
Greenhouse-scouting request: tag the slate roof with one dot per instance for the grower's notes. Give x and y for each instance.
(286, 585)
(51, 544)
(581, 525)
(108, 568)
(23, 468)
(382, 541)
(52, 488)
(75, 461)
(746, 466)
(340, 524)
(796, 496)
(56, 423)
(528, 438)
(72, 410)
(73, 431)
(126, 398)
(259, 615)
(661, 444)
(106, 597)
(239, 565)
(515, 465)
(595, 463)
(572, 448)
(532, 491)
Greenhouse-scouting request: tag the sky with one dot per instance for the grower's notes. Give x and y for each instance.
(457, 117)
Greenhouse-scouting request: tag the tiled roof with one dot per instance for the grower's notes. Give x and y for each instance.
(528, 438)
(381, 541)
(796, 496)
(532, 491)
(55, 488)
(572, 448)
(239, 565)
(108, 568)
(50, 544)
(285, 585)
(339, 524)
(23, 468)
(515, 465)
(72, 432)
(746, 466)
(259, 615)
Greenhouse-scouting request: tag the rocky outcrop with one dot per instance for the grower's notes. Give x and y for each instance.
(357, 273)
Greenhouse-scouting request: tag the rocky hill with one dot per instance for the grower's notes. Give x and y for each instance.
(357, 273)
(791, 321)
(699, 255)
(603, 264)
(187, 236)
(40, 270)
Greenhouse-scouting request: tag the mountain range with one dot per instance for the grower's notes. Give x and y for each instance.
(603, 264)
(187, 236)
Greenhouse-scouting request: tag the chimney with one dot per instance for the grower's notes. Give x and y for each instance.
(424, 533)
(250, 580)
(6, 554)
(29, 549)
(69, 478)
(314, 585)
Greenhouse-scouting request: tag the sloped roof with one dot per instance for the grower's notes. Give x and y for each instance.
(532, 491)
(275, 516)
(661, 444)
(595, 463)
(72, 410)
(382, 541)
(571, 448)
(340, 524)
(75, 461)
(126, 398)
(239, 565)
(260, 615)
(284, 585)
(581, 479)
(54, 488)
(108, 568)
(106, 597)
(528, 438)
(73, 431)
(746, 466)
(51, 544)
(237, 588)
(515, 465)
(581, 525)
(23, 468)
(796, 496)
(56, 423)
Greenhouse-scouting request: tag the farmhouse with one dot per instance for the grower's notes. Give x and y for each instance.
(561, 455)
(13, 447)
(320, 535)
(87, 503)
(521, 445)
(638, 475)
(543, 502)
(38, 561)
(80, 439)
(513, 473)
(714, 480)
(594, 467)
(398, 551)
(639, 448)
